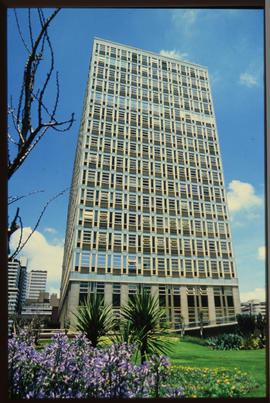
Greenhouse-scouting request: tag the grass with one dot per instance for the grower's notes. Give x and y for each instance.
(253, 362)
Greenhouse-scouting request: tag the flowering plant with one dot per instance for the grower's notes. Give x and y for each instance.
(75, 369)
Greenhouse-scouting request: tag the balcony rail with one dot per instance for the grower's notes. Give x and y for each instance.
(225, 320)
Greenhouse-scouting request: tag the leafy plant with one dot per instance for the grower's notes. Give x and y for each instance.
(226, 342)
(251, 343)
(261, 327)
(67, 325)
(146, 323)
(94, 319)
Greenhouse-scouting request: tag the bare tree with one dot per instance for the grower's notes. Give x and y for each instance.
(32, 117)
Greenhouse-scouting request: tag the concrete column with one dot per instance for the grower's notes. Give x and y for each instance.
(108, 293)
(154, 291)
(73, 302)
(236, 300)
(184, 304)
(211, 305)
(124, 294)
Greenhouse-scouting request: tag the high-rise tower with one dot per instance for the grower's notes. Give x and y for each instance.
(36, 283)
(147, 204)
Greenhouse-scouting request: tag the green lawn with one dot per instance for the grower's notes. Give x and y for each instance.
(253, 362)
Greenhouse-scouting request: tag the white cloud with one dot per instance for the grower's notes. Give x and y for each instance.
(174, 54)
(261, 253)
(50, 230)
(185, 16)
(242, 196)
(249, 80)
(257, 293)
(41, 254)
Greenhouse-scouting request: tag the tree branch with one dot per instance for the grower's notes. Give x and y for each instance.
(16, 198)
(18, 250)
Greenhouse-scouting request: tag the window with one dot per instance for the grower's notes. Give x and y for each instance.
(161, 264)
(174, 263)
(118, 218)
(101, 261)
(132, 265)
(201, 265)
(146, 263)
(117, 239)
(199, 244)
(117, 261)
(132, 240)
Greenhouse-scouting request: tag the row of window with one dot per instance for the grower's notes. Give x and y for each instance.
(181, 99)
(152, 223)
(143, 60)
(163, 205)
(152, 243)
(169, 297)
(174, 133)
(144, 170)
(121, 70)
(169, 190)
(175, 84)
(121, 109)
(142, 147)
(152, 264)
(128, 106)
(190, 160)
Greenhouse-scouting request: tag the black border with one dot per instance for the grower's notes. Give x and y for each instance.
(4, 4)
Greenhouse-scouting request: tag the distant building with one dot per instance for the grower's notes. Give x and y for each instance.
(45, 307)
(36, 283)
(253, 307)
(17, 270)
(22, 281)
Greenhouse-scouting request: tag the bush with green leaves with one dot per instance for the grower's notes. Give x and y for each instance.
(94, 319)
(251, 343)
(226, 342)
(246, 324)
(145, 322)
(253, 330)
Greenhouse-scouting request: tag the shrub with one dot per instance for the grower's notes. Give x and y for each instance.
(146, 323)
(94, 319)
(76, 369)
(251, 343)
(226, 342)
(246, 324)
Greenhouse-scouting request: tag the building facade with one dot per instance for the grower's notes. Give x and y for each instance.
(147, 205)
(36, 283)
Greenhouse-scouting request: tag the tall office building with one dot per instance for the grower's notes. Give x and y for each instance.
(147, 204)
(36, 283)
(16, 287)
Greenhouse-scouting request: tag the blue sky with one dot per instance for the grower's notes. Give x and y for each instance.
(229, 42)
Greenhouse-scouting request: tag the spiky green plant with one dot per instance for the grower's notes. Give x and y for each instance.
(94, 319)
(146, 323)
